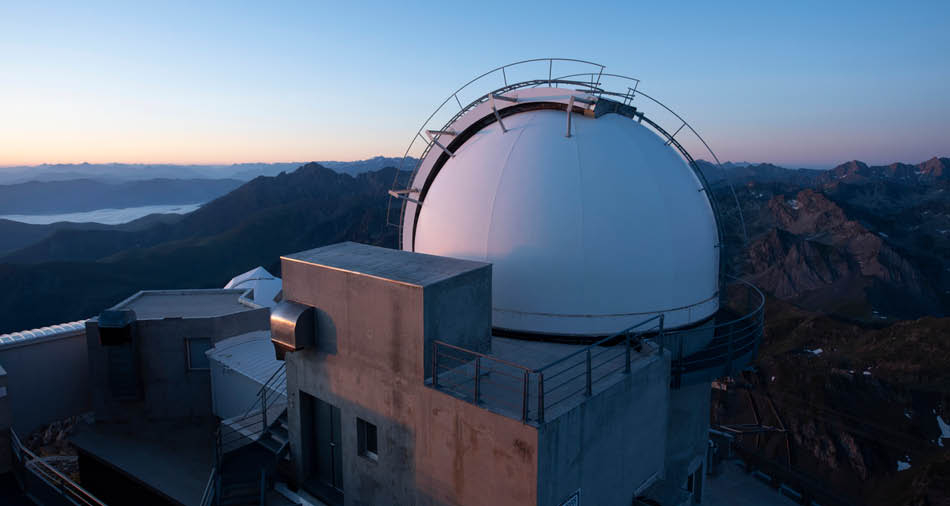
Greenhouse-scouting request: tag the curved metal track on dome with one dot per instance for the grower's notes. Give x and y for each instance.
(593, 83)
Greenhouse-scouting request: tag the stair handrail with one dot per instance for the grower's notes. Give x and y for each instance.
(247, 426)
(274, 377)
(207, 497)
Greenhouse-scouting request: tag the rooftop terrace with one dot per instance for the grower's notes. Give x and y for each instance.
(536, 381)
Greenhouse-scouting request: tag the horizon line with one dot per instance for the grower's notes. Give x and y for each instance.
(785, 165)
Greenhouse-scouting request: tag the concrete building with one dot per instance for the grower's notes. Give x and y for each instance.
(151, 393)
(370, 425)
(597, 222)
(149, 360)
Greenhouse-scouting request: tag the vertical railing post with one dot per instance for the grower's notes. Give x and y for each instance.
(540, 397)
(729, 358)
(264, 406)
(263, 487)
(588, 372)
(435, 364)
(627, 346)
(217, 476)
(524, 397)
(478, 373)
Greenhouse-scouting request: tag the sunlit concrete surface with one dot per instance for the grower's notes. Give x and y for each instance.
(732, 486)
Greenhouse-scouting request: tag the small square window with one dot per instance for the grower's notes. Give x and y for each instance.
(366, 439)
(196, 348)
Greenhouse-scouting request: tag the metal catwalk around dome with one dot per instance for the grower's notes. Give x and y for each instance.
(597, 82)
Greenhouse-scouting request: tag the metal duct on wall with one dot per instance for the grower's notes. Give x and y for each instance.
(292, 327)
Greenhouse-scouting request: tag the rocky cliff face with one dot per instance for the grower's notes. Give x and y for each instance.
(862, 407)
(815, 255)
(853, 370)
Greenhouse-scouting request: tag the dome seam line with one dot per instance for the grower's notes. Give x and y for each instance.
(501, 177)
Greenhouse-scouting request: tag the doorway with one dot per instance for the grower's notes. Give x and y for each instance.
(324, 455)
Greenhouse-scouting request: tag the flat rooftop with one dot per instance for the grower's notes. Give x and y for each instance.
(402, 266)
(174, 458)
(159, 304)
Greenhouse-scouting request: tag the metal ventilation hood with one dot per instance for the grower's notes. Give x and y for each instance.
(116, 326)
(292, 327)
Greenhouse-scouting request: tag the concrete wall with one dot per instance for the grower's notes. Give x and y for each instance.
(168, 388)
(370, 363)
(611, 446)
(688, 431)
(6, 420)
(47, 379)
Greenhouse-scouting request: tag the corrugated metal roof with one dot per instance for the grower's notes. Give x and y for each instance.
(61, 329)
(250, 354)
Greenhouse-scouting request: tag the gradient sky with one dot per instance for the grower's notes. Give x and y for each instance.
(798, 83)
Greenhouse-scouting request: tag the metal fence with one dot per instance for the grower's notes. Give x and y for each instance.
(731, 341)
(717, 349)
(43, 482)
(528, 393)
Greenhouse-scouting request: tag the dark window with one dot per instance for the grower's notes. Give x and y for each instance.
(197, 360)
(366, 435)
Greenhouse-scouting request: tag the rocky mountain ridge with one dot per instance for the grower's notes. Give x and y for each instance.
(818, 257)
(75, 274)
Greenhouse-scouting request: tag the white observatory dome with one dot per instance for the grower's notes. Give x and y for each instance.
(588, 234)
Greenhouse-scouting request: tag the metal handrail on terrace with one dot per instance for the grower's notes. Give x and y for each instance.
(485, 379)
(732, 340)
(492, 382)
(30, 462)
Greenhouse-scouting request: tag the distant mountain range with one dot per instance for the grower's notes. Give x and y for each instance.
(860, 241)
(15, 235)
(73, 272)
(117, 172)
(54, 197)
(934, 170)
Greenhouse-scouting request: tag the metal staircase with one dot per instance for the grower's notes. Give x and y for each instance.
(277, 436)
(250, 447)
